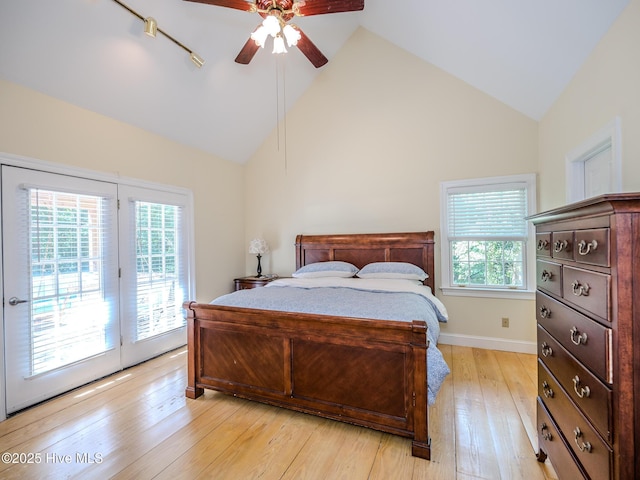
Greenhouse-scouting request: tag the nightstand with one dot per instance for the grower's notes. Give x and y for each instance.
(253, 282)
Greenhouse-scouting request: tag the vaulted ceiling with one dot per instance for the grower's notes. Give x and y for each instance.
(93, 54)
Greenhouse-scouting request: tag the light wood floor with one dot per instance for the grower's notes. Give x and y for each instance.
(138, 424)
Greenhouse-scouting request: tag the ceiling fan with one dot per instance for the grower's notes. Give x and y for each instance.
(276, 15)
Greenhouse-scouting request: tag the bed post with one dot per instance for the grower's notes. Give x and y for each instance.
(191, 391)
(421, 445)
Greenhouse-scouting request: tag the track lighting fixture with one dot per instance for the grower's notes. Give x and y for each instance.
(151, 28)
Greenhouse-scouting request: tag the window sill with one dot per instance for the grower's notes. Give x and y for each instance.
(489, 293)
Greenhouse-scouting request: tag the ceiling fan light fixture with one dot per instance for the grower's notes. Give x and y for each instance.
(272, 25)
(260, 36)
(150, 26)
(278, 45)
(291, 34)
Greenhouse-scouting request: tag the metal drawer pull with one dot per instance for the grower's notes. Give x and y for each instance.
(545, 312)
(547, 390)
(543, 244)
(580, 290)
(576, 338)
(583, 446)
(560, 245)
(543, 428)
(546, 275)
(546, 350)
(585, 248)
(583, 391)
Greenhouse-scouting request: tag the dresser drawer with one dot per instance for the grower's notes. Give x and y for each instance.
(587, 290)
(588, 341)
(551, 443)
(590, 395)
(592, 452)
(543, 244)
(549, 277)
(562, 245)
(592, 246)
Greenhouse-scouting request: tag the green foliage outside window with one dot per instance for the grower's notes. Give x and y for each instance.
(488, 263)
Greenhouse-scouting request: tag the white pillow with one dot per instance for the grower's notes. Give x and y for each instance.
(399, 270)
(326, 269)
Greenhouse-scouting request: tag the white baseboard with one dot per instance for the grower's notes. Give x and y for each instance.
(489, 343)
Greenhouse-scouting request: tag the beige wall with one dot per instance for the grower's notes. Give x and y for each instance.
(366, 147)
(606, 86)
(40, 127)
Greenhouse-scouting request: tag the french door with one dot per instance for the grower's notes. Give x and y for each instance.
(60, 283)
(94, 278)
(155, 272)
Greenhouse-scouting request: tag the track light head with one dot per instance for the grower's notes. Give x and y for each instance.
(196, 59)
(150, 26)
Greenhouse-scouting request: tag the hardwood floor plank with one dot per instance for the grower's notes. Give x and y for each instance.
(85, 401)
(442, 428)
(318, 455)
(220, 440)
(475, 451)
(205, 414)
(101, 432)
(266, 450)
(40, 418)
(509, 436)
(523, 389)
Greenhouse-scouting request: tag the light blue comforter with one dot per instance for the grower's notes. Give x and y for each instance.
(365, 299)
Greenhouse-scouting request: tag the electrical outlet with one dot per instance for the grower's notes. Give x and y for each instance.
(505, 322)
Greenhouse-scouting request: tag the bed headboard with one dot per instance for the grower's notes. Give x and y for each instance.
(363, 248)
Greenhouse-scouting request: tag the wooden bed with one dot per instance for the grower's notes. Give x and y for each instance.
(371, 373)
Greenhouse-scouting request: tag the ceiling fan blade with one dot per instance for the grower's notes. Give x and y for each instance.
(236, 4)
(310, 51)
(248, 52)
(319, 7)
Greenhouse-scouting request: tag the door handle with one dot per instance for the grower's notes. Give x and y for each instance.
(15, 301)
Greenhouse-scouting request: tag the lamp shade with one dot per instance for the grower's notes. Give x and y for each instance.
(260, 36)
(272, 25)
(258, 246)
(278, 45)
(292, 35)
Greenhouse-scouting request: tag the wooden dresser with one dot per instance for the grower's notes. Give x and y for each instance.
(588, 281)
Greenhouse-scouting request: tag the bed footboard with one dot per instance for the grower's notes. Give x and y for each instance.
(366, 372)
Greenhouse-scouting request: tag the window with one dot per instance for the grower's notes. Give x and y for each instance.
(595, 167)
(485, 236)
(160, 277)
(156, 271)
(69, 313)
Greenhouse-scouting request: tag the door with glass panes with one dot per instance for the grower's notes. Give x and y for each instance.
(155, 272)
(87, 291)
(60, 283)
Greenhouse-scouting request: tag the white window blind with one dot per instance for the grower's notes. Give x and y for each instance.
(160, 257)
(68, 254)
(487, 213)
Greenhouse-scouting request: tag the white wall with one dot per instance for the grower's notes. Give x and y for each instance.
(366, 148)
(41, 127)
(606, 86)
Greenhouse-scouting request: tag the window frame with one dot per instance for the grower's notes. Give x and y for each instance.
(446, 286)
